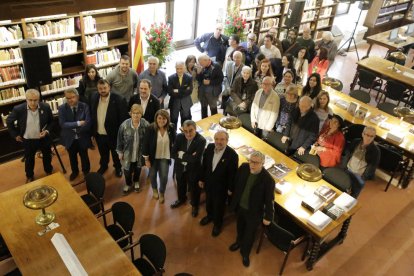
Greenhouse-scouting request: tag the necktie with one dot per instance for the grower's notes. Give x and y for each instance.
(74, 114)
(180, 80)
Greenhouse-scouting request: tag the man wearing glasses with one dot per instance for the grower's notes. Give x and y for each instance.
(362, 160)
(253, 196)
(251, 48)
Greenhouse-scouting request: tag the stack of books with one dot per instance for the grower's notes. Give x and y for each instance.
(11, 55)
(89, 23)
(65, 27)
(54, 104)
(105, 71)
(345, 201)
(12, 94)
(319, 220)
(325, 192)
(104, 57)
(10, 35)
(11, 75)
(62, 47)
(96, 41)
(318, 198)
(279, 170)
(60, 85)
(282, 187)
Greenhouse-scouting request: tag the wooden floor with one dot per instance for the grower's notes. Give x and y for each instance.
(380, 240)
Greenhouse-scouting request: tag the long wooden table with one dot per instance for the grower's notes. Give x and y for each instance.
(382, 68)
(98, 253)
(382, 40)
(291, 201)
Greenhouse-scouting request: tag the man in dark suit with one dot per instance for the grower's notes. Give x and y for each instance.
(253, 196)
(150, 104)
(218, 171)
(34, 123)
(75, 124)
(187, 152)
(109, 110)
(180, 86)
(210, 79)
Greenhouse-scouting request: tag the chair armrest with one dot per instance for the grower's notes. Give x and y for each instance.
(104, 213)
(130, 234)
(130, 246)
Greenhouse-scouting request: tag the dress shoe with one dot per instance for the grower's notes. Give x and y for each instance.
(216, 231)
(206, 220)
(194, 212)
(162, 199)
(29, 179)
(118, 172)
(246, 261)
(102, 170)
(126, 189)
(73, 176)
(136, 187)
(155, 193)
(235, 246)
(176, 204)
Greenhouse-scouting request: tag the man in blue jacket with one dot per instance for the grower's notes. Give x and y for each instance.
(213, 44)
(75, 124)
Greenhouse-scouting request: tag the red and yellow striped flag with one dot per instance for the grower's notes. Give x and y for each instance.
(138, 62)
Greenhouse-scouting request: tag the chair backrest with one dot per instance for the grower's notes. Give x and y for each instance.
(390, 158)
(154, 249)
(246, 123)
(124, 215)
(338, 178)
(365, 78)
(360, 95)
(353, 131)
(394, 90)
(95, 184)
(279, 237)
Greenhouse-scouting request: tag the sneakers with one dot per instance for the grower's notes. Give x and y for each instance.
(136, 187)
(162, 200)
(126, 189)
(155, 194)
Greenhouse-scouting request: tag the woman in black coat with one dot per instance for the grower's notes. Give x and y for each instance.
(88, 84)
(242, 92)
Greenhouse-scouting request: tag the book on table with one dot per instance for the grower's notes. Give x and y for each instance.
(319, 220)
(325, 192)
(279, 170)
(282, 187)
(313, 202)
(333, 211)
(345, 201)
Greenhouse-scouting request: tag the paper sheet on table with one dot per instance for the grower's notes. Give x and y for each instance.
(68, 256)
(408, 74)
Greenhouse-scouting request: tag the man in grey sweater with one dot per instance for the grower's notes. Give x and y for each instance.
(123, 78)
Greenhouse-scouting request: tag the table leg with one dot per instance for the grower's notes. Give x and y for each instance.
(344, 229)
(355, 80)
(313, 256)
(368, 51)
(408, 176)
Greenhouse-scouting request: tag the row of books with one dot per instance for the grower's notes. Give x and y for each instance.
(103, 57)
(56, 67)
(89, 24)
(10, 55)
(272, 10)
(12, 94)
(11, 73)
(62, 47)
(60, 85)
(10, 35)
(64, 27)
(96, 41)
(103, 72)
(248, 14)
(321, 219)
(55, 103)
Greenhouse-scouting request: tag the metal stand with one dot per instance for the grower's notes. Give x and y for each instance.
(352, 39)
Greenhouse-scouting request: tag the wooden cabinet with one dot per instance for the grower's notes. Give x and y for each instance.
(265, 14)
(388, 14)
(74, 40)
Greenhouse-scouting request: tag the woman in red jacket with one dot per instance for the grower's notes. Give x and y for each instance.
(330, 143)
(320, 63)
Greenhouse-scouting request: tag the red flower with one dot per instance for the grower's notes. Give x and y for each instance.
(143, 28)
(150, 39)
(158, 39)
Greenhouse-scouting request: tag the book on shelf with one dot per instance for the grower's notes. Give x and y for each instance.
(10, 56)
(10, 35)
(345, 201)
(51, 29)
(60, 85)
(62, 47)
(11, 74)
(282, 186)
(313, 202)
(96, 41)
(12, 94)
(55, 103)
(325, 192)
(103, 72)
(279, 170)
(319, 220)
(104, 57)
(89, 24)
(56, 67)
(333, 211)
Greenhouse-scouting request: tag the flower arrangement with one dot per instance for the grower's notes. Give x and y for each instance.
(235, 24)
(159, 40)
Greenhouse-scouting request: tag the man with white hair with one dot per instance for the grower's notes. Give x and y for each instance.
(213, 44)
(180, 87)
(34, 123)
(302, 128)
(158, 79)
(123, 79)
(232, 71)
(328, 42)
(251, 48)
(210, 79)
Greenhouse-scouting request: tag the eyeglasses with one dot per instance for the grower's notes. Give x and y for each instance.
(369, 135)
(255, 162)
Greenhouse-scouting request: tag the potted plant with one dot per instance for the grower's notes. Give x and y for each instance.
(159, 40)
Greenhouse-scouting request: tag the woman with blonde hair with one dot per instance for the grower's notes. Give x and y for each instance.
(158, 143)
(322, 108)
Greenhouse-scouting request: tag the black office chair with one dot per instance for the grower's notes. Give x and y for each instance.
(352, 132)
(285, 237)
(307, 158)
(275, 140)
(392, 161)
(368, 80)
(95, 186)
(123, 222)
(395, 91)
(153, 249)
(339, 178)
(360, 95)
(246, 122)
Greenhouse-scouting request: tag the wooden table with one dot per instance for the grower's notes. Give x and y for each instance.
(291, 201)
(98, 253)
(382, 40)
(381, 67)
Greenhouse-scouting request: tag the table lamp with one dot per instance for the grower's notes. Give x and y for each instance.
(39, 198)
(397, 56)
